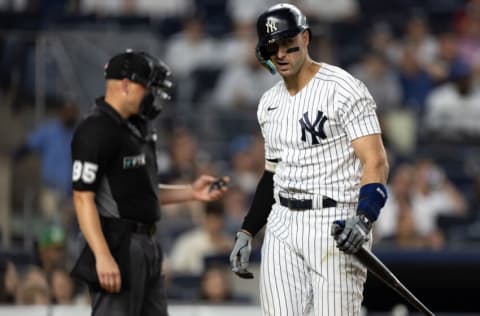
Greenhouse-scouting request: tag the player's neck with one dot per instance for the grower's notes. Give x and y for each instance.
(296, 83)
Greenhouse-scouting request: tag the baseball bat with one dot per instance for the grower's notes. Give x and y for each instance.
(379, 270)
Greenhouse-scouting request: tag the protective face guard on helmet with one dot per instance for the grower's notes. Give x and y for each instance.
(146, 70)
(264, 59)
(264, 51)
(157, 85)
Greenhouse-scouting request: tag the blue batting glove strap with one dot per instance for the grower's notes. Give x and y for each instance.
(372, 198)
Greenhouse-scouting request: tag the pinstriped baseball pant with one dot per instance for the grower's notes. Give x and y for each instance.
(302, 271)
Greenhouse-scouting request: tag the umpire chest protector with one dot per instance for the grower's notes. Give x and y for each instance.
(122, 153)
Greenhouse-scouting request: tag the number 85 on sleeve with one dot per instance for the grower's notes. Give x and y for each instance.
(86, 171)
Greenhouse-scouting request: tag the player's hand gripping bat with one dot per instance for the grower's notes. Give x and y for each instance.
(381, 272)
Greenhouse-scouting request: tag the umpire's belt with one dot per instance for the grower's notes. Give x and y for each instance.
(126, 225)
(306, 204)
(142, 228)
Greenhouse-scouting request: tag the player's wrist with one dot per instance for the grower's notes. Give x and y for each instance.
(246, 232)
(372, 198)
(244, 235)
(365, 222)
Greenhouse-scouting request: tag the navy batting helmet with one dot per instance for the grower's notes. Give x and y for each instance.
(278, 22)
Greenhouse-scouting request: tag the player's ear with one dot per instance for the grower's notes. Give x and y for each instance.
(305, 37)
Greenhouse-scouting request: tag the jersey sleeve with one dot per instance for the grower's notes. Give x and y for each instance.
(356, 109)
(261, 116)
(89, 155)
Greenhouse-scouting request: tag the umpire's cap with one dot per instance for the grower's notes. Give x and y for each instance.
(138, 67)
(279, 22)
(146, 70)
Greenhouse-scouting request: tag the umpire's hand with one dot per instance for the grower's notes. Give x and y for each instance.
(352, 233)
(207, 188)
(108, 273)
(240, 255)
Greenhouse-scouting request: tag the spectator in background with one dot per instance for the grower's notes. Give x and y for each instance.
(381, 40)
(51, 141)
(13, 5)
(418, 195)
(241, 85)
(62, 287)
(415, 81)
(453, 109)
(192, 247)
(258, 154)
(190, 49)
(215, 286)
(380, 80)
(51, 249)
(107, 7)
(8, 282)
(237, 47)
(447, 56)
(246, 11)
(397, 222)
(164, 8)
(244, 169)
(474, 201)
(468, 26)
(418, 39)
(433, 195)
(328, 11)
(235, 204)
(183, 157)
(33, 288)
(183, 166)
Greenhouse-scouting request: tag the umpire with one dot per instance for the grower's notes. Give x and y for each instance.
(115, 190)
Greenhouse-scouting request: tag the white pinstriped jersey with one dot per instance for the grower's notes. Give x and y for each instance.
(310, 133)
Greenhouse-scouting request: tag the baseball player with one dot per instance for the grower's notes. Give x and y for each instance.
(323, 184)
(115, 190)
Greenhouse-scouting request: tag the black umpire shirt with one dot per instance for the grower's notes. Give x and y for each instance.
(115, 158)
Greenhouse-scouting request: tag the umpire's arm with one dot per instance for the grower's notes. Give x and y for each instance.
(89, 221)
(199, 190)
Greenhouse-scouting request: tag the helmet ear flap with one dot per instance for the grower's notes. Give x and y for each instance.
(264, 58)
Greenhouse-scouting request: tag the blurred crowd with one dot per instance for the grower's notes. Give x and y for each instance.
(419, 59)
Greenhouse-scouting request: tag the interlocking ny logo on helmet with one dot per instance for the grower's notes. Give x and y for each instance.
(271, 25)
(278, 22)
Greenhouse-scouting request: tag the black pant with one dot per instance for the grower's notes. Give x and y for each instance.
(146, 293)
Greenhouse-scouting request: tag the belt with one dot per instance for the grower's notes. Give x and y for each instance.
(114, 224)
(143, 228)
(305, 204)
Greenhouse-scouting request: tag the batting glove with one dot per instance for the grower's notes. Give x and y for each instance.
(351, 233)
(240, 255)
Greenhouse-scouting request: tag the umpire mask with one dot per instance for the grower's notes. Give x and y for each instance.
(148, 71)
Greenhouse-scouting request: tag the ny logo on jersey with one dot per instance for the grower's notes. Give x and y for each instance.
(271, 25)
(315, 129)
